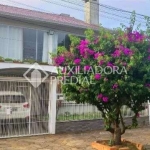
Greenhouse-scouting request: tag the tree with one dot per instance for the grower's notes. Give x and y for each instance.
(108, 71)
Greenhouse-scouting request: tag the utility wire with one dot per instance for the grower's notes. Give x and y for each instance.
(29, 6)
(121, 10)
(71, 2)
(106, 7)
(60, 4)
(81, 5)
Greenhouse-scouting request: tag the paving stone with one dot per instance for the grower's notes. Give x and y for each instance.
(147, 147)
(80, 141)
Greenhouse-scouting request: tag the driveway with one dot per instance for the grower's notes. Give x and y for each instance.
(79, 141)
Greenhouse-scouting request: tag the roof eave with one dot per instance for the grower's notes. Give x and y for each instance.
(36, 20)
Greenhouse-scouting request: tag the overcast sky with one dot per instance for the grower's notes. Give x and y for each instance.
(140, 6)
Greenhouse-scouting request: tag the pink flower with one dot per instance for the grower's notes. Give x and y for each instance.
(90, 52)
(59, 60)
(135, 37)
(105, 99)
(100, 96)
(115, 86)
(127, 52)
(96, 40)
(148, 57)
(116, 53)
(101, 62)
(109, 64)
(69, 74)
(85, 56)
(84, 42)
(83, 46)
(77, 61)
(82, 50)
(97, 76)
(98, 54)
(147, 85)
(86, 68)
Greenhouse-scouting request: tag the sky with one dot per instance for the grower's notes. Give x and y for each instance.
(107, 20)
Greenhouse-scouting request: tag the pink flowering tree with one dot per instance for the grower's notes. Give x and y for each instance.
(108, 71)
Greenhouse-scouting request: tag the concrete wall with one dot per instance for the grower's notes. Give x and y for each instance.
(73, 108)
(88, 125)
(77, 109)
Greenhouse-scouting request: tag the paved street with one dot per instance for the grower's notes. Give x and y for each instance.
(80, 141)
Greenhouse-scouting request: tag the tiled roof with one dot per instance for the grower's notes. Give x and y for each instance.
(43, 17)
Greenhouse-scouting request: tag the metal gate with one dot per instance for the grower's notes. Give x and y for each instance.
(24, 110)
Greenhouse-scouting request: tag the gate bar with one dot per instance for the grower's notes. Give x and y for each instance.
(52, 106)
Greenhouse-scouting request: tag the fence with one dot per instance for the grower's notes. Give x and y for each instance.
(70, 111)
(25, 110)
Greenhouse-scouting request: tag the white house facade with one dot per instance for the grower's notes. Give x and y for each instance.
(31, 35)
(28, 36)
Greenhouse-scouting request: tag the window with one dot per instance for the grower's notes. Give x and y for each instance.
(12, 99)
(10, 42)
(19, 44)
(40, 46)
(64, 40)
(29, 44)
(33, 44)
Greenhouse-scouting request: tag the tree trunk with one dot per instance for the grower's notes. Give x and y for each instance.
(117, 136)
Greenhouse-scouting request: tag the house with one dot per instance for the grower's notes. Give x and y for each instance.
(29, 36)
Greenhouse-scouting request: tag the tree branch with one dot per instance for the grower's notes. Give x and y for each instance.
(111, 130)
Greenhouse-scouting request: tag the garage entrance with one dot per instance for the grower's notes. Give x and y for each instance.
(24, 110)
